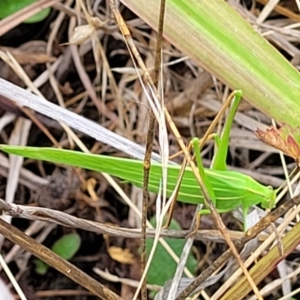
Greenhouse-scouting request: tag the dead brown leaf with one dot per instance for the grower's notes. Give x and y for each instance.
(285, 139)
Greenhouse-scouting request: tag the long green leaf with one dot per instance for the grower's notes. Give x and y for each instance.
(214, 35)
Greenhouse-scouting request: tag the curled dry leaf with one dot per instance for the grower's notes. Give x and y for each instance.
(123, 256)
(285, 139)
(81, 34)
(84, 32)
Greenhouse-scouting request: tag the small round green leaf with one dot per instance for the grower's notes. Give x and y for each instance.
(67, 245)
(40, 267)
(163, 266)
(9, 7)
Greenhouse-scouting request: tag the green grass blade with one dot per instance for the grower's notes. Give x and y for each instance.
(215, 36)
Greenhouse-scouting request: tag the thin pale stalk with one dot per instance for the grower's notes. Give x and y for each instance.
(146, 167)
(149, 147)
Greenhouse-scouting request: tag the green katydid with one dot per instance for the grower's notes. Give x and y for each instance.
(227, 189)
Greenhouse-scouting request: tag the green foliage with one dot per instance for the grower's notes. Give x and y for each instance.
(65, 247)
(223, 42)
(9, 7)
(40, 267)
(163, 266)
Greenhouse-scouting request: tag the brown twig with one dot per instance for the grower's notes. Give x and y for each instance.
(283, 11)
(239, 244)
(18, 237)
(55, 216)
(149, 147)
